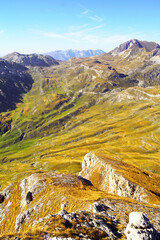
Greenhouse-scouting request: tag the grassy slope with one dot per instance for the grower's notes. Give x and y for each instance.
(52, 193)
(59, 123)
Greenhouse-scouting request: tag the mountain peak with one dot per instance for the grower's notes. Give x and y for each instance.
(135, 46)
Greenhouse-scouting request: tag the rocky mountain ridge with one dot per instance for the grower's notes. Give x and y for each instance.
(31, 59)
(50, 205)
(65, 55)
(135, 46)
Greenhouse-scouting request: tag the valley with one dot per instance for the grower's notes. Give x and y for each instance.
(108, 105)
(72, 106)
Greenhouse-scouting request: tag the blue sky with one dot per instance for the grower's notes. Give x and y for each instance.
(28, 26)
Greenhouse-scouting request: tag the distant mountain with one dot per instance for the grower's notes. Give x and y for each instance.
(31, 59)
(14, 81)
(67, 54)
(134, 46)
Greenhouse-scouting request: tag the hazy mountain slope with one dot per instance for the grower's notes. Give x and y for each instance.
(14, 81)
(31, 59)
(67, 54)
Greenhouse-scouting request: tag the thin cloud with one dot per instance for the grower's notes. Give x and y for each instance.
(84, 31)
(89, 36)
(54, 35)
(114, 39)
(74, 36)
(75, 28)
(85, 12)
(96, 18)
(121, 38)
(91, 39)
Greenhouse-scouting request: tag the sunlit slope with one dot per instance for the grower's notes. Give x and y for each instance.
(33, 218)
(71, 111)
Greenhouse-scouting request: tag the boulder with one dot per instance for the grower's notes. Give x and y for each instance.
(140, 228)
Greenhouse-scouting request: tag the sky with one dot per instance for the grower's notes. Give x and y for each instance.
(36, 26)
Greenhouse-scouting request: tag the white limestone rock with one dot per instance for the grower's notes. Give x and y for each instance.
(140, 228)
(110, 179)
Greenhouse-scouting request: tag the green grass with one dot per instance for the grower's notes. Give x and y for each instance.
(120, 127)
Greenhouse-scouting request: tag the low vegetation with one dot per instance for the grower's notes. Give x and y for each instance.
(106, 104)
(67, 113)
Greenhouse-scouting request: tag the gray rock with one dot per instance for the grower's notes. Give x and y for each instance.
(21, 218)
(95, 221)
(99, 207)
(140, 228)
(25, 216)
(67, 216)
(100, 224)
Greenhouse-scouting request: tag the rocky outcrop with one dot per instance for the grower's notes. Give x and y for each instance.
(96, 221)
(21, 218)
(31, 59)
(140, 228)
(116, 177)
(66, 206)
(152, 76)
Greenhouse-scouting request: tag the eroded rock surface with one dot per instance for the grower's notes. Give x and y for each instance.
(116, 177)
(65, 205)
(140, 228)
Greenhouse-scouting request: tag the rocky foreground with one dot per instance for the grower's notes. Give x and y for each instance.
(66, 206)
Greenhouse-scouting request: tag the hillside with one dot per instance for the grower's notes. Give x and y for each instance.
(58, 114)
(65, 55)
(31, 59)
(107, 105)
(48, 205)
(14, 82)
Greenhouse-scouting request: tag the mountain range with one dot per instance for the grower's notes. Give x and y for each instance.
(31, 59)
(64, 55)
(79, 145)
